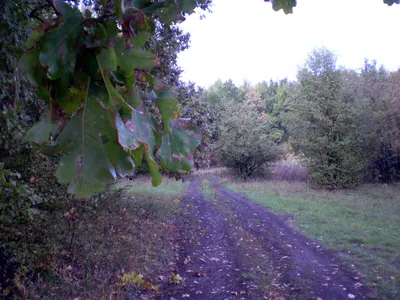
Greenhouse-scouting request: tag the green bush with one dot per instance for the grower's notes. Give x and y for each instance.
(246, 144)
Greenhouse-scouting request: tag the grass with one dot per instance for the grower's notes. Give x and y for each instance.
(142, 186)
(363, 224)
(206, 189)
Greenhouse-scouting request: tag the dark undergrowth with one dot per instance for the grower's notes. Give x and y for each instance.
(116, 245)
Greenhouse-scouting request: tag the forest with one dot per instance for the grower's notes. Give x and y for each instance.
(94, 116)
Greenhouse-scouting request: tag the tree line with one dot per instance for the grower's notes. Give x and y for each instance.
(344, 123)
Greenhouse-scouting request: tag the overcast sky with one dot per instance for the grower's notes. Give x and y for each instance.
(246, 39)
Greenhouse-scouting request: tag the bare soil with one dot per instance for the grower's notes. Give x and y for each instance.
(231, 248)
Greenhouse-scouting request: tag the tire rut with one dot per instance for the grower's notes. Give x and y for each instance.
(310, 270)
(232, 248)
(207, 262)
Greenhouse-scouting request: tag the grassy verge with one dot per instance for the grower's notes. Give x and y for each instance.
(142, 186)
(206, 189)
(119, 245)
(364, 224)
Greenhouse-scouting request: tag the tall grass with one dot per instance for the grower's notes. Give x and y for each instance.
(289, 170)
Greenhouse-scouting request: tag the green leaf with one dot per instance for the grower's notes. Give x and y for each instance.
(286, 5)
(120, 159)
(107, 60)
(104, 33)
(139, 40)
(170, 109)
(156, 179)
(127, 139)
(85, 189)
(138, 156)
(139, 135)
(107, 63)
(177, 146)
(132, 97)
(187, 6)
(137, 3)
(90, 64)
(70, 99)
(86, 167)
(66, 10)
(133, 58)
(111, 28)
(58, 53)
(118, 8)
(30, 67)
(140, 129)
(40, 132)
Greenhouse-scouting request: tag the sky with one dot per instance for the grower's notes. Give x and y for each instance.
(248, 40)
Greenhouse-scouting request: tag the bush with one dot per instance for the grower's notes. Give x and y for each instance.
(246, 144)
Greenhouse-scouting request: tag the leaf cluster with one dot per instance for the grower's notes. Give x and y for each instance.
(93, 72)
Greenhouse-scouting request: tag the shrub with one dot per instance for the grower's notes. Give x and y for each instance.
(246, 143)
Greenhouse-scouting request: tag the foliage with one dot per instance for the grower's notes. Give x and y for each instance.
(277, 96)
(379, 91)
(322, 122)
(88, 71)
(94, 241)
(223, 94)
(200, 113)
(137, 281)
(245, 143)
(29, 193)
(31, 207)
(167, 42)
(33, 229)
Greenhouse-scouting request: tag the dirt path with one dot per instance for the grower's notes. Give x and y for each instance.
(232, 248)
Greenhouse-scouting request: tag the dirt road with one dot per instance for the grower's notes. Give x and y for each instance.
(232, 248)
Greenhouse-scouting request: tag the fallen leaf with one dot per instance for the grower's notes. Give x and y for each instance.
(176, 279)
(187, 261)
(214, 259)
(198, 274)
